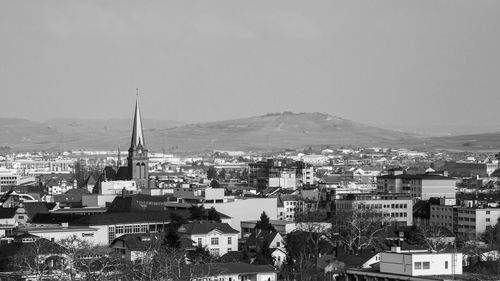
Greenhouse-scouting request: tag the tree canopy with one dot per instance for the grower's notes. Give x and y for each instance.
(264, 223)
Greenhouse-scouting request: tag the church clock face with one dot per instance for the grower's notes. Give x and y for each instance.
(139, 151)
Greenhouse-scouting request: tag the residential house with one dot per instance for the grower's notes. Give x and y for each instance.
(218, 238)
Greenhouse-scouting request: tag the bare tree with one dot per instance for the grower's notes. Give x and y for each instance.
(40, 259)
(88, 260)
(358, 229)
(436, 238)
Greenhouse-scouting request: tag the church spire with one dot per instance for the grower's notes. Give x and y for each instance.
(137, 134)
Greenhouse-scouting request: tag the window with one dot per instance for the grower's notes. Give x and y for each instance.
(487, 219)
(446, 265)
(199, 241)
(214, 241)
(229, 249)
(277, 244)
(229, 240)
(487, 212)
(418, 265)
(214, 252)
(20, 217)
(426, 265)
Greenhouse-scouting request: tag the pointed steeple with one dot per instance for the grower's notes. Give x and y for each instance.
(137, 134)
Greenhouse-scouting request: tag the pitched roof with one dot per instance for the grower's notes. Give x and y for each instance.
(242, 268)
(139, 242)
(122, 174)
(35, 208)
(80, 191)
(258, 238)
(205, 227)
(7, 213)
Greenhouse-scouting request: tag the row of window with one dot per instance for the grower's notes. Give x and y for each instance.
(7, 182)
(441, 216)
(399, 215)
(215, 241)
(216, 252)
(423, 265)
(466, 219)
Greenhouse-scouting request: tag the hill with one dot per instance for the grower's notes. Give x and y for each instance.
(267, 132)
(276, 131)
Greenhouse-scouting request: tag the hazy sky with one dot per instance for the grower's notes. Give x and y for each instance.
(411, 65)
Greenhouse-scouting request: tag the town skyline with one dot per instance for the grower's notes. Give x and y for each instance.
(366, 62)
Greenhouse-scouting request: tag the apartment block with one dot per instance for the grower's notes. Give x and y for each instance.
(396, 207)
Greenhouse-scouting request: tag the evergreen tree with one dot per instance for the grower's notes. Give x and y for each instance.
(265, 255)
(176, 220)
(172, 238)
(214, 184)
(211, 173)
(264, 223)
(197, 212)
(213, 215)
(222, 174)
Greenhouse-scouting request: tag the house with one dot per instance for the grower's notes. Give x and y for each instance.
(218, 238)
(420, 263)
(273, 240)
(49, 254)
(139, 247)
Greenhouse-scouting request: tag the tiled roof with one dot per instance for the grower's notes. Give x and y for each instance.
(122, 174)
(35, 208)
(140, 242)
(205, 227)
(7, 213)
(242, 268)
(257, 239)
(75, 191)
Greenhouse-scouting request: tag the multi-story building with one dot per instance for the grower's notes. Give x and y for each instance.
(421, 186)
(468, 220)
(11, 178)
(397, 208)
(290, 206)
(272, 171)
(218, 238)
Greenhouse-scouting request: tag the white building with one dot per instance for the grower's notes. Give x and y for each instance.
(218, 238)
(420, 263)
(246, 209)
(117, 187)
(397, 208)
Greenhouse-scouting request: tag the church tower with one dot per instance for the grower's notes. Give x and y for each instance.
(138, 159)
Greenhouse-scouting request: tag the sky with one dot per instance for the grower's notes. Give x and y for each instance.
(416, 65)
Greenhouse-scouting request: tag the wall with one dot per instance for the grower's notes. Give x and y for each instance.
(247, 209)
(438, 188)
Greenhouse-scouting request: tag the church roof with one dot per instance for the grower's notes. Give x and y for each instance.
(137, 133)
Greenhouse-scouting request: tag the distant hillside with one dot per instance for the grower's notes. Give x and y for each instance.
(275, 131)
(267, 132)
(487, 142)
